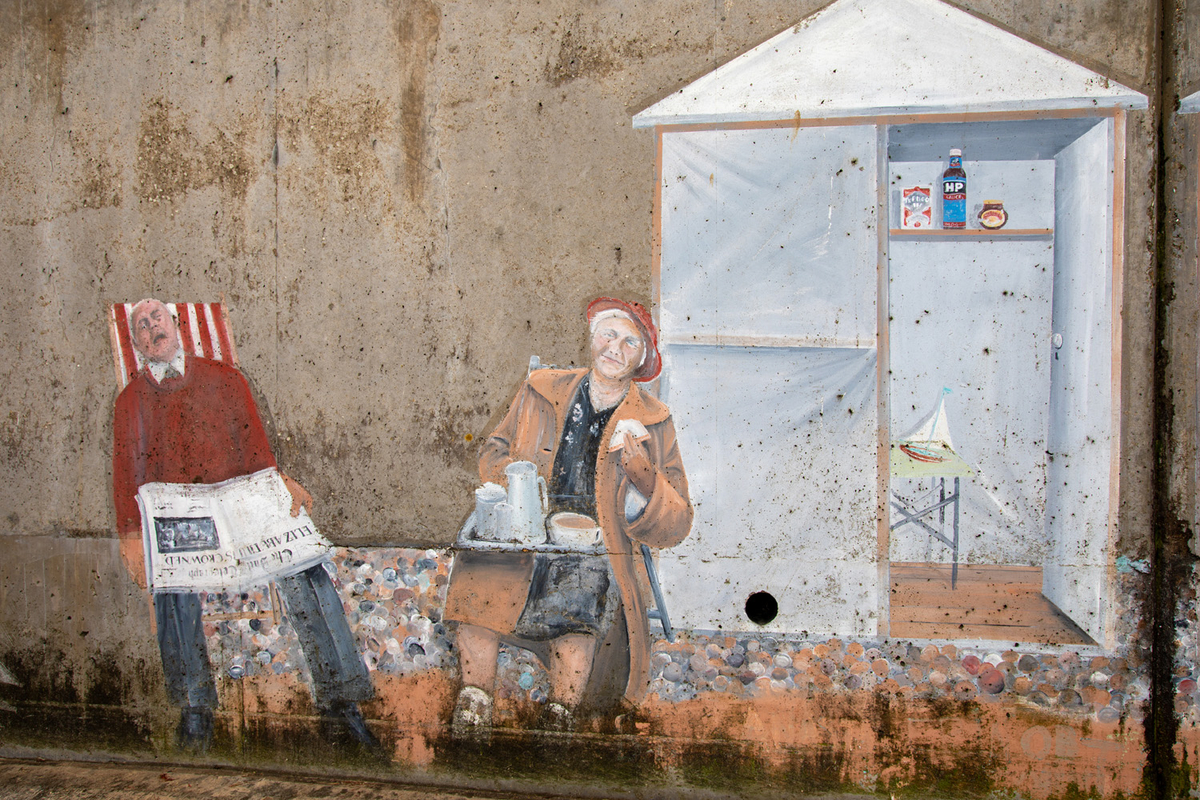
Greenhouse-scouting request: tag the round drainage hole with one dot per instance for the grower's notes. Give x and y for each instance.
(761, 608)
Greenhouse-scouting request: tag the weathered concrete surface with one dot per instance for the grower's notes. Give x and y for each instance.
(1180, 302)
(401, 202)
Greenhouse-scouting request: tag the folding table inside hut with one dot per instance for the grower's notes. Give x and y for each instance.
(937, 462)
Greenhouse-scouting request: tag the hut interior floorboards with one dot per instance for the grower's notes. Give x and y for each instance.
(996, 602)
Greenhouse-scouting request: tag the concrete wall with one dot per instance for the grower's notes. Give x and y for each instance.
(401, 202)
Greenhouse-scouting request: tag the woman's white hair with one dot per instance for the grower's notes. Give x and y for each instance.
(609, 314)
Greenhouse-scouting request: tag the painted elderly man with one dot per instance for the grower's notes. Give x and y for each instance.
(187, 419)
(607, 449)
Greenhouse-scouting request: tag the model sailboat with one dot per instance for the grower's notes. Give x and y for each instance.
(927, 449)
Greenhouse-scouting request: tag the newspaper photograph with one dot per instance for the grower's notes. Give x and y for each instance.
(225, 536)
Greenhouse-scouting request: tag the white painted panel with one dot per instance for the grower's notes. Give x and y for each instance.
(974, 317)
(780, 449)
(817, 596)
(770, 233)
(1075, 574)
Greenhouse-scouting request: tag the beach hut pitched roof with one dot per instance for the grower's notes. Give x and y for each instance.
(866, 57)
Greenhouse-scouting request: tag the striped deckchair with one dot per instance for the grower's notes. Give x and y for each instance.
(203, 327)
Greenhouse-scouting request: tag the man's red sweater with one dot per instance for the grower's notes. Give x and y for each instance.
(199, 428)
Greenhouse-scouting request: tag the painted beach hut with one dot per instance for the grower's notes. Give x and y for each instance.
(805, 328)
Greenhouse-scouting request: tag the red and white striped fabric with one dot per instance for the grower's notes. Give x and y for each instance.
(203, 330)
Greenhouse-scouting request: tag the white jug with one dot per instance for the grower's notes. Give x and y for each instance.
(530, 500)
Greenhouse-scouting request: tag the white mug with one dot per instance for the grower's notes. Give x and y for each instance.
(574, 530)
(486, 498)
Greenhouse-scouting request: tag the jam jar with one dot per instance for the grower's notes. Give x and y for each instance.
(993, 216)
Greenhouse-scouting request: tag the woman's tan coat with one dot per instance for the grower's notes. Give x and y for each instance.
(489, 589)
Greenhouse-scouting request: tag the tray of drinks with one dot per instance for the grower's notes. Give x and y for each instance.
(468, 540)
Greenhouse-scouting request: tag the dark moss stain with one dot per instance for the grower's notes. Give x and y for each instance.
(44, 673)
(577, 58)
(417, 29)
(730, 766)
(732, 719)
(100, 185)
(1073, 792)
(1172, 563)
(299, 741)
(723, 766)
(885, 718)
(62, 700)
(596, 761)
(740, 770)
(82, 728)
(343, 133)
(51, 31)
(172, 161)
(47, 672)
(959, 772)
(585, 51)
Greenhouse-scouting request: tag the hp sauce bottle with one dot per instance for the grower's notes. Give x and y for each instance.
(954, 193)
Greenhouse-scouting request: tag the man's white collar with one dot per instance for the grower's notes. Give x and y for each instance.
(159, 368)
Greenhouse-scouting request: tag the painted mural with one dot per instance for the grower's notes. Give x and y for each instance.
(840, 501)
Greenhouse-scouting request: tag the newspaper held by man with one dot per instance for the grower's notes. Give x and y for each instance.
(225, 536)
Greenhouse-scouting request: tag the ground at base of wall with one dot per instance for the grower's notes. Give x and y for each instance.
(21, 780)
(714, 745)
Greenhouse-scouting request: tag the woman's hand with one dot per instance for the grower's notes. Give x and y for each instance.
(635, 460)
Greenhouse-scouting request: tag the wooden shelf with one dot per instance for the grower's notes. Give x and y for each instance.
(976, 234)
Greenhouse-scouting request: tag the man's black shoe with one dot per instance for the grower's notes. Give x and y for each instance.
(195, 730)
(344, 720)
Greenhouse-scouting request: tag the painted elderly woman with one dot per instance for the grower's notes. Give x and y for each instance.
(607, 449)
